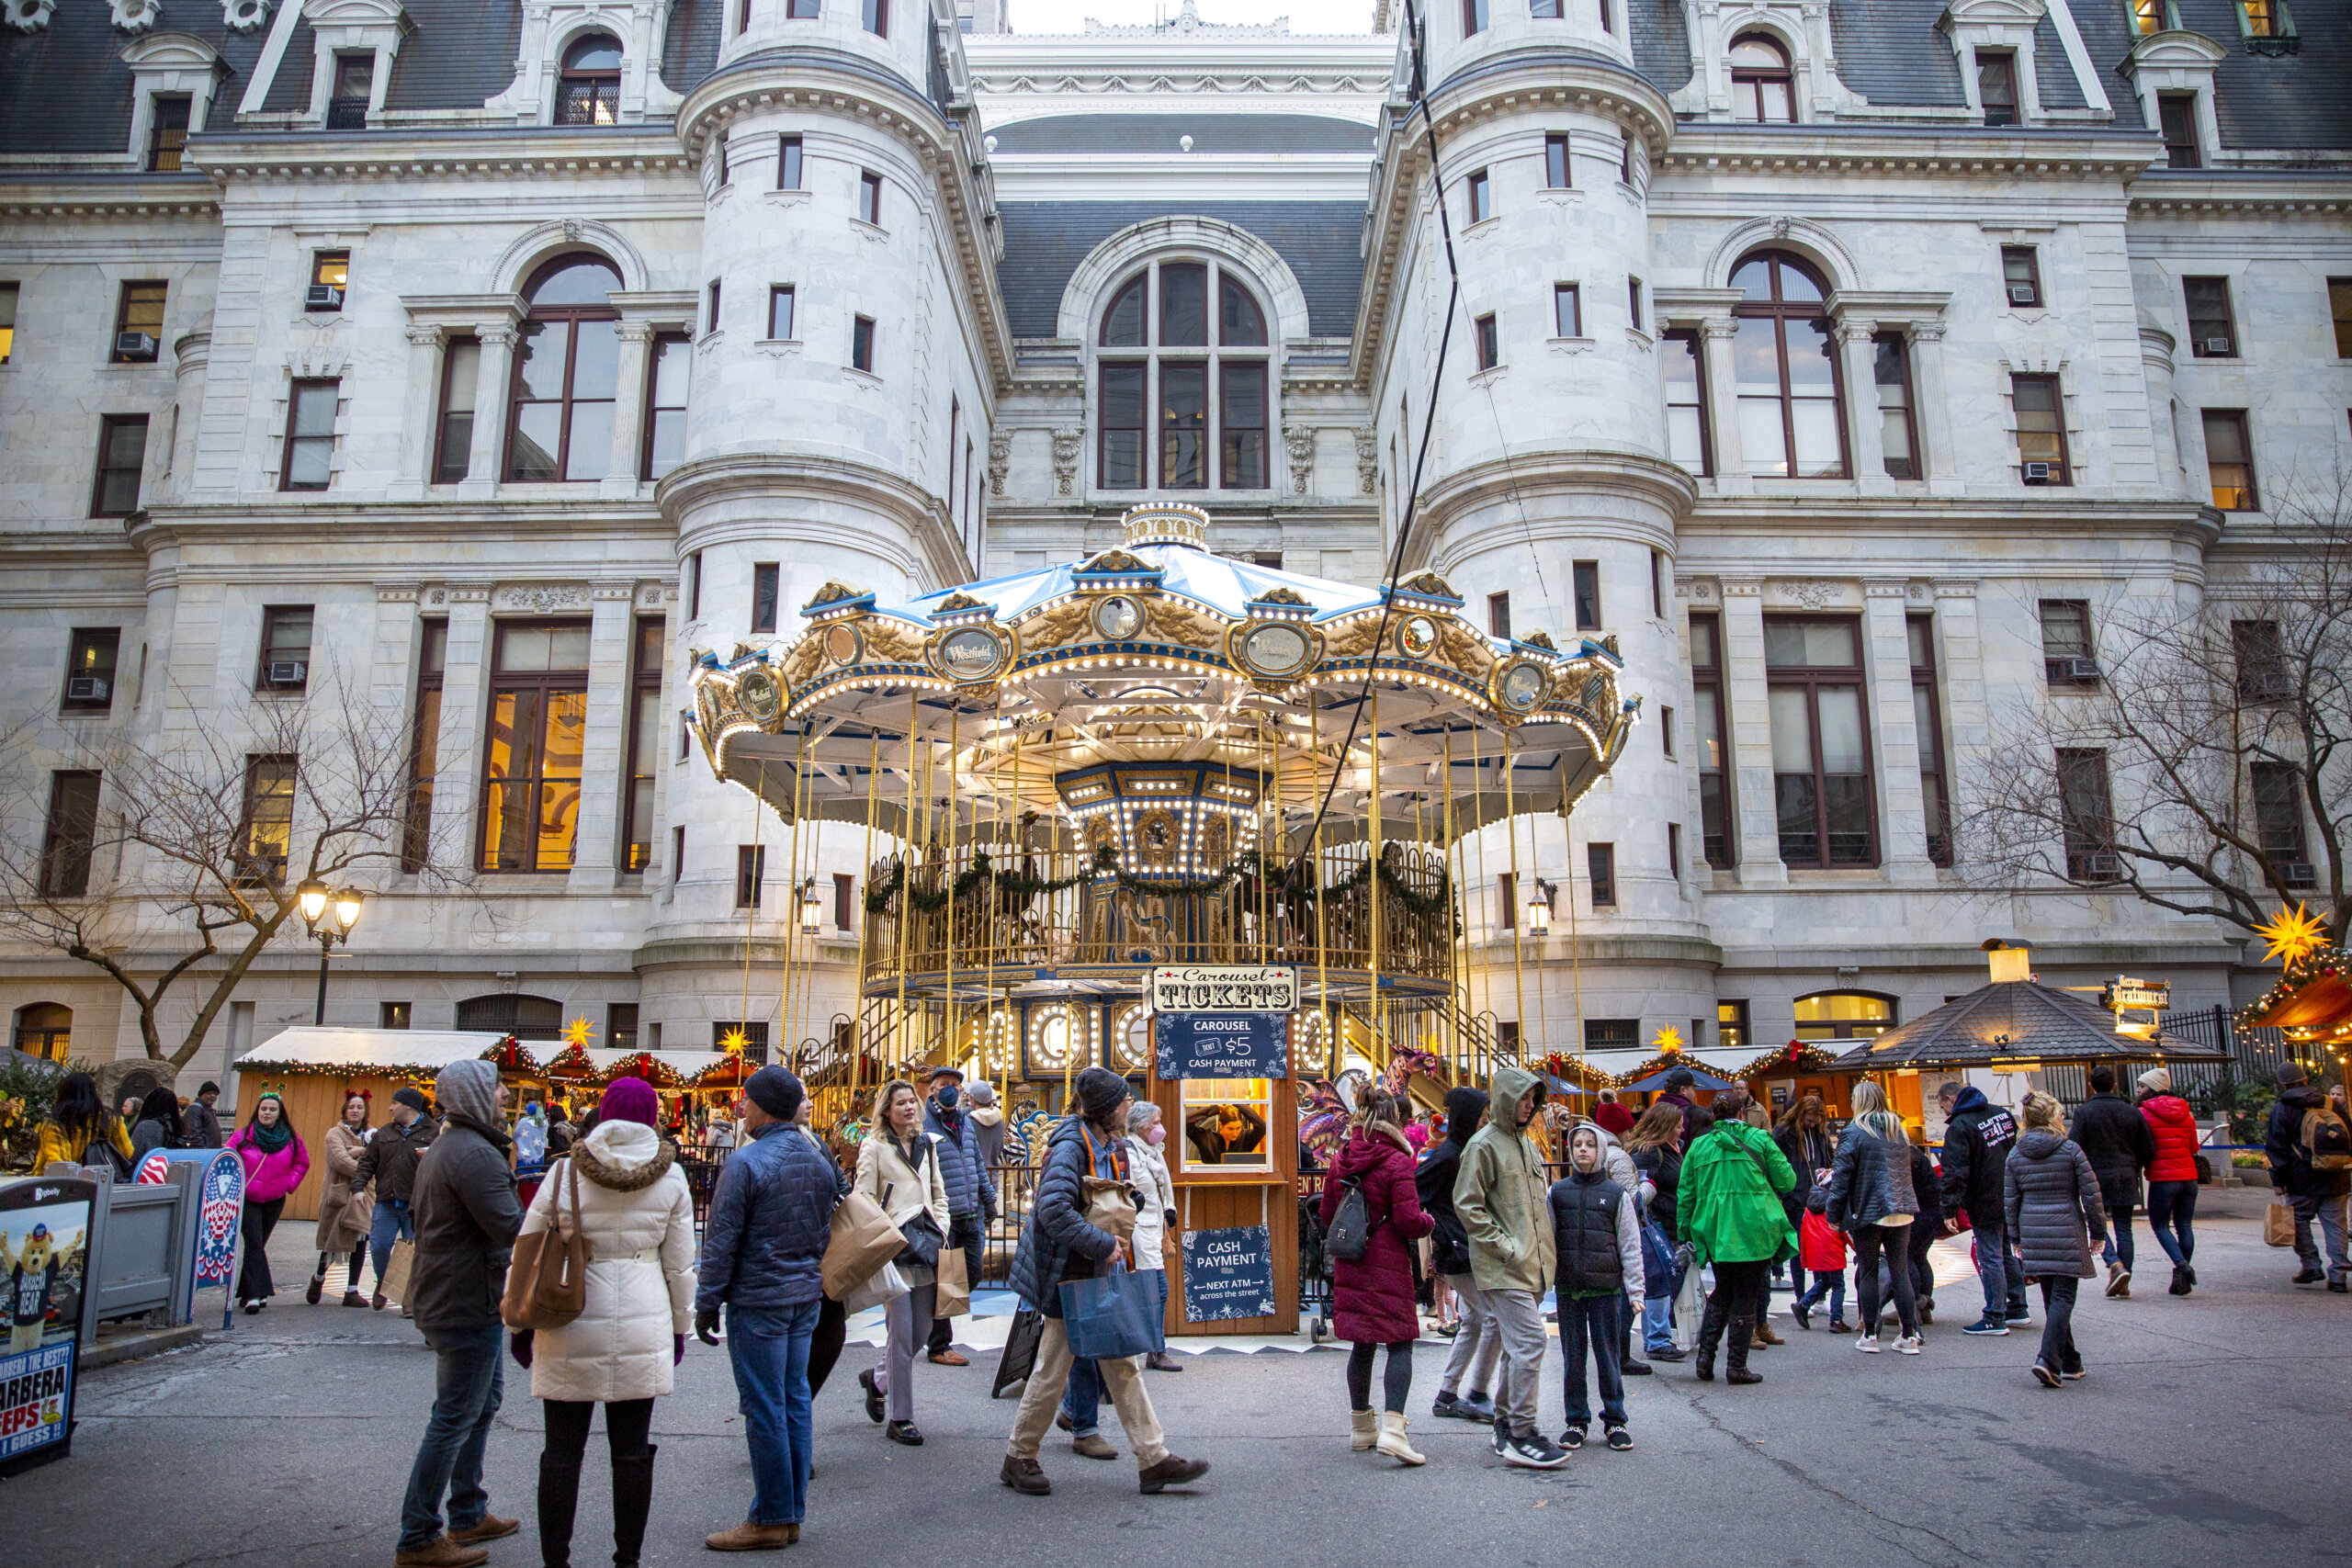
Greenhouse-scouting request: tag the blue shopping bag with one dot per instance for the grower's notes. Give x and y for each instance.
(1112, 1315)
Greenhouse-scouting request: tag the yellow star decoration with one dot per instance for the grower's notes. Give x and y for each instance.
(2293, 936)
(577, 1032)
(733, 1042)
(1668, 1041)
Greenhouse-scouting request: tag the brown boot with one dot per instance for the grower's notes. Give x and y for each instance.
(748, 1537)
(1024, 1476)
(1764, 1335)
(490, 1527)
(1171, 1471)
(441, 1553)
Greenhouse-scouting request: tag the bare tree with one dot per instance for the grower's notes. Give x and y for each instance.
(197, 841)
(2208, 773)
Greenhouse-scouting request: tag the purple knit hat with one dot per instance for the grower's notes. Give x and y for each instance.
(629, 1099)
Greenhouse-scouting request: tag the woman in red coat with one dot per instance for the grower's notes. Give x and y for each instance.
(1372, 1298)
(2172, 1176)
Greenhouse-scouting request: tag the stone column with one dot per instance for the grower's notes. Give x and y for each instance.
(2156, 357)
(465, 686)
(1900, 804)
(1932, 407)
(496, 373)
(603, 751)
(1749, 714)
(1715, 333)
(1968, 727)
(628, 409)
(191, 355)
(1857, 362)
(410, 474)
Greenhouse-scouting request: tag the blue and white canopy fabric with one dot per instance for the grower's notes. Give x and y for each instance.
(1158, 667)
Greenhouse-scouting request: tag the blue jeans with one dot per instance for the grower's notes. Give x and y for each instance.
(2119, 1236)
(1591, 1322)
(770, 1354)
(1660, 1279)
(1830, 1285)
(2001, 1272)
(393, 1223)
(2172, 1205)
(468, 1383)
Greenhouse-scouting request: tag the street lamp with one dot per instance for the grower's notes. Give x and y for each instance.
(812, 913)
(330, 915)
(1539, 907)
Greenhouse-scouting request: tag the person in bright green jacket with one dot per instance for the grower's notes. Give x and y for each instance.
(1728, 1209)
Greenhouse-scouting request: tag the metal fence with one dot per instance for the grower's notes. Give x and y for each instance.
(2255, 1052)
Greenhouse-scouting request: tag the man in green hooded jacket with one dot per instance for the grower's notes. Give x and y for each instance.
(1500, 1195)
(1728, 1208)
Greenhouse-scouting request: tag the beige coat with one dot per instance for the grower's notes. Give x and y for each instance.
(344, 1216)
(640, 1222)
(1148, 1167)
(881, 1169)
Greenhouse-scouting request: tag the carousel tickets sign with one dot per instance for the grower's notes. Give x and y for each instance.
(1224, 988)
(1221, 1044)
(1228, 1273)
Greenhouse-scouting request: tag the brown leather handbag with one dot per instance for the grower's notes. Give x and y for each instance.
(546, 1282)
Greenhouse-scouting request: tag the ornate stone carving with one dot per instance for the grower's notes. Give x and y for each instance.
(999, 460)
(28, 16)
(1299, 440)
(1367, 460)
(541, 599)
(244, 15)
(135, 16)
(1066, 442)
(1813, 592)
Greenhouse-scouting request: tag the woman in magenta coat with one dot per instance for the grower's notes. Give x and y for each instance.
(1373, 1297)
(275, 1162)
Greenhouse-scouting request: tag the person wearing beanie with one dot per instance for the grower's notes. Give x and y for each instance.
(762, 1256)
(1614, 1118)
(467, 1216)
(200, 1119)
(388, 1163)
(1478, 1342)
(2316, 1191)
(630, 1202)
(2172, 1174)
(1059, 1246)
(2114, 1136)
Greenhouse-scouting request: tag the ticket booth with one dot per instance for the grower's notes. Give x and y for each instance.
(1232, 1153)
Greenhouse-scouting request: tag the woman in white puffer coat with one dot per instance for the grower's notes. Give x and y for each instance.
(621, 1350)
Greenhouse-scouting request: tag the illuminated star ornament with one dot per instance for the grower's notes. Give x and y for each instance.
(2292, 936)
(577, 1032)
(733, 1042)
(1668, 1041)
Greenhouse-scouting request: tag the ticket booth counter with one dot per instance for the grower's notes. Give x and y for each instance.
(1232, 1152)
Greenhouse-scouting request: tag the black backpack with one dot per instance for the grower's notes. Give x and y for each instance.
(1350, 1236)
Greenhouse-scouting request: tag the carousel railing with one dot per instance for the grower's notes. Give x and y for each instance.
(971, 911)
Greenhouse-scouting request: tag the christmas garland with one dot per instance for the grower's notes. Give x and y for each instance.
(1022, 886)
(2318, 965)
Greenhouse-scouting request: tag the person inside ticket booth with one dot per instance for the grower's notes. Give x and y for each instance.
(1225, 1133)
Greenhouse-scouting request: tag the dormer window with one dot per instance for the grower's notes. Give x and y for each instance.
(1189, 405)
(167, 133)
(2149, 17)
(354, 75)
(589, 91)
(1763, 88)
(2267, 28)
(1997, 86)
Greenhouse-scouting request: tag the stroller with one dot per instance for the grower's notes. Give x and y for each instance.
(1314, 1272)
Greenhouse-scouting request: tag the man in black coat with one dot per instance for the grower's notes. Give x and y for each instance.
(2116, 1139)
(467, 1216)
(2315, 1193)
(1978, 1135)
(1478, 1341)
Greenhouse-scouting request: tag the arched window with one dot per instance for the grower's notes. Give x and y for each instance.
(1184, 384)
(526, 1018)
(1792, 409)
(44, 1030)
(1762, 86)
(567, 373)
(1844, 1015)
(589, 90)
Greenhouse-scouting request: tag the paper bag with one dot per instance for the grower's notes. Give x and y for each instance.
(862, 1240)
(955, 1289)
(395, 1282)
(1110, 1206)
(2279, 1224)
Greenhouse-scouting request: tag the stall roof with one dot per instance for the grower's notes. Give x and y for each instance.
(306, 1048)
(2015, 1021)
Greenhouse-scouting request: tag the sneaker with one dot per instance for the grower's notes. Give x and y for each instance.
(1802, 1312)
(1839, 1325)
(1531, 1452)
(1987, 1326)
(1620, 1439)
(2338, 1287)
(1908, 1344)
(2307, 1277)
(1572, 1439)
(2044, 1376)
(1478, 1408)
(2075, 1373)
(2118, 1279)
(1868, 1345)
(1667, 1354)
(2019, 1318)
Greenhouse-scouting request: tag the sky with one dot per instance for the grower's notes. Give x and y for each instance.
(1305, 15)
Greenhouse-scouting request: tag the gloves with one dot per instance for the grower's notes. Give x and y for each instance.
(1170, 1216)
(677, 1348)
(519, 1346)
(707, 1324)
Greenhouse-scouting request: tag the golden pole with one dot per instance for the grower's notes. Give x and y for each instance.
(751, 906)
(955, 758)
(906, 887)
(1455, 946)
(1518, 956)
(1478, 773)
(1372, 964)
(1004, 1061)
(792, 945)
(1576, 958)
(858, 1042)
(1315, 882)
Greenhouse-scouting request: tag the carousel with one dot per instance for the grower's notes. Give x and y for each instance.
(1159, 756)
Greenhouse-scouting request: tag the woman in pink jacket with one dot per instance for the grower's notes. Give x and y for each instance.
(275, 1163)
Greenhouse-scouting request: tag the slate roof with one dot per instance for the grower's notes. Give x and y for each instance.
(2040, 1024)
(1161, 133)
(1045, 241)
(1891, 53)
(461, 54)
(65, 89)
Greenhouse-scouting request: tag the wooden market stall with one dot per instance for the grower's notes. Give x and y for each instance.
(2311, 1003)
(1780, 1078)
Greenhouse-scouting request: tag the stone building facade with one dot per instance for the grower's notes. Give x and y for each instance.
(1849, 363)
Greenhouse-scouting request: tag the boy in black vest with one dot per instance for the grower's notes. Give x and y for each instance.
(1599, 1241)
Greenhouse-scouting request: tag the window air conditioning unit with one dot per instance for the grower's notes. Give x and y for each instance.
(2084, 671)
(288, 672)
(2021, 294)
(88, 688)
(2217, 345)
(135, 345)
(323, 296)
(2296, 872)
(2037, 473)
(2102, 864)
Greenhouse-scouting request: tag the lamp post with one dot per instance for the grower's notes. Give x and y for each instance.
(330, 915)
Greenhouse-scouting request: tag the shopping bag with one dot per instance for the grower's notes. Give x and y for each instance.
(394, 1283)
(885, 1284)
(954, 1288)
(1110, 1206)
(862, 1240)
(1020, 1357)
(1688, 1307)
(2279, 1224)
(1112, 1315)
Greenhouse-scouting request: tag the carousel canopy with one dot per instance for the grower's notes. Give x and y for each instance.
(2015, 1021)
(1159, 680)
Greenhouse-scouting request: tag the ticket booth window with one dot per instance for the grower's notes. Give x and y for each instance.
(1227, 1124)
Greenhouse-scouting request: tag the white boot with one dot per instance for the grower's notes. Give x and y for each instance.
(1363, 1433)
(1392, 1439)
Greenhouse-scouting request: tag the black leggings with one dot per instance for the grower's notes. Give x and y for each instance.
(358, 1264)
(825, 1344)
(1896, 1242)
(253, 1282)
(627, 1423)
(1396, 1379)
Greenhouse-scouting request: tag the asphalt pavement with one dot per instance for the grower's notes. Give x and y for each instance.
(2211, 1429)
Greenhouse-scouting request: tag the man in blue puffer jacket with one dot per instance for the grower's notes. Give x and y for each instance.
(763, 1258)
(971, 1195)
(1061, 1247)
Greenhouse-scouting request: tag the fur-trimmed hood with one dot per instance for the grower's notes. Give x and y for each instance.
(623, 1157)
